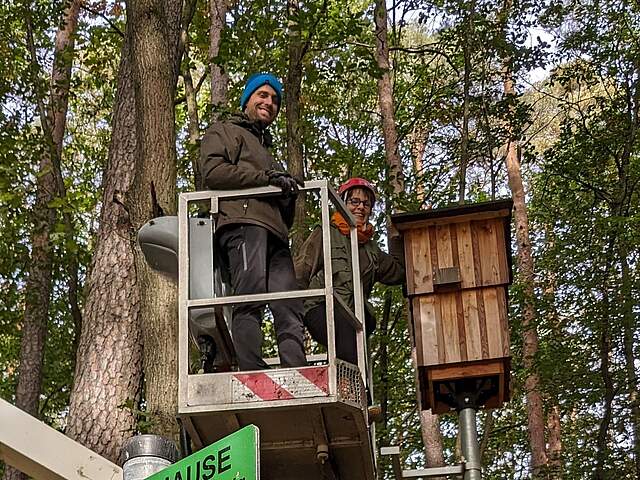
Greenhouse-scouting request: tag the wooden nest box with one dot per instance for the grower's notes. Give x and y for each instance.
(458, 263)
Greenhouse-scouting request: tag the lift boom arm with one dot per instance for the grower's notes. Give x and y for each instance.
(43, 453)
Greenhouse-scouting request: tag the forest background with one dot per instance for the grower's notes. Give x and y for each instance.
(102, 107)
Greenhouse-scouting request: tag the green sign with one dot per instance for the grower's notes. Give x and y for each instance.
(235, 457)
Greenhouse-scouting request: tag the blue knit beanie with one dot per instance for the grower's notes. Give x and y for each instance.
(257, 80)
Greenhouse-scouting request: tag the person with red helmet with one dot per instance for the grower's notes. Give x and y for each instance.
(359, 196)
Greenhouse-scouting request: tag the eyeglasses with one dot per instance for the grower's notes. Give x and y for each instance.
(356, 201)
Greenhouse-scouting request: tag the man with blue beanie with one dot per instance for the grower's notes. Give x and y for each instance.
(253, 233)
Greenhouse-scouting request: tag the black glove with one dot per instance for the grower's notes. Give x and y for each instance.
(276, 174)
(287, 184)
(283, 181)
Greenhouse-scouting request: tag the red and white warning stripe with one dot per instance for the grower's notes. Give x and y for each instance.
(280, 384)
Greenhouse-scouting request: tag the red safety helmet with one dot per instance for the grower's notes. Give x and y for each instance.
(357, 183)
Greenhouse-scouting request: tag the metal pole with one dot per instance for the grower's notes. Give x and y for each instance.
(469, 441)
(144, 455)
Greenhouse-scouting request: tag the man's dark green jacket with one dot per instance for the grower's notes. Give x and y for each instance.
(234, 155)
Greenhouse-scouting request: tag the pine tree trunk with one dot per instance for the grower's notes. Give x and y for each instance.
(535, 413)
(602, 439)
(385, 100)
(429, 423)
(466, 85)
(554, 427)
(37, 295)
(48, 187)
(382, 357)
(624, 193)
(629, 330)
(109, 361)
(155, 59)
(432, 438)
(418, 139)
(293, 86)
(554, 448)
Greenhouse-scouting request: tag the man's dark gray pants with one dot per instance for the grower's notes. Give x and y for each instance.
(259, 262)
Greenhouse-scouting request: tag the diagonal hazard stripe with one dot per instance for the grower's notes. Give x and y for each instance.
(318, 376)
(297, 384)
(263, 386)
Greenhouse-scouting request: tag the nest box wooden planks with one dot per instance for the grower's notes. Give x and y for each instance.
(458, 263)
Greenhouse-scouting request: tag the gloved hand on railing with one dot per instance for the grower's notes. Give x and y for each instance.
(284, 181)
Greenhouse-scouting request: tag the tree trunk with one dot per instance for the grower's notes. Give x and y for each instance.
(293, 86)
(109, 362)
(193, 119)
(602, 440)
(466, 85)
(155, 59)
(418, 139)
(554, 448)
(429, 423)
(385, 100)
(629, 330)
(382, 394)
(535, 415)
(37, 296)
(623, 195)
(487, 430)
(432, 438)
(191, 100)
(219, 79)
(554, 427)
(48, 187)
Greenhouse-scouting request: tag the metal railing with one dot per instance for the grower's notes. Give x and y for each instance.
(185, 303)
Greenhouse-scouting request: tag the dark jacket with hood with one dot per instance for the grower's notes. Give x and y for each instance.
(234, 155)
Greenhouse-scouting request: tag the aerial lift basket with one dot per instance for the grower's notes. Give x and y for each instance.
(313, 420)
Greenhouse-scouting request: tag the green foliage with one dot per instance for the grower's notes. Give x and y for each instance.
(83, 159)
(580, 151)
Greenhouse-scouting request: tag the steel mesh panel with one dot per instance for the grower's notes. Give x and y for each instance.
(350, 388)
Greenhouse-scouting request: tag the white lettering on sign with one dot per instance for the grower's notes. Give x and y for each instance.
(209, 468)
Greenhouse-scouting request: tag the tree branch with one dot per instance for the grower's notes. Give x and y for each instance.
(183, 99)
(115, 28)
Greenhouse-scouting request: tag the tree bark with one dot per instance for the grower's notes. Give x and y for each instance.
(629, 329)
(418, 139)
(535, 415)
(156, 52)
(293, 87)
(554, 448)
(432, 438)
(382, 393)
(526, 271)
(193, 119)
(554, 427)
(605, 373)
(623, 195)
(48, 187)
(466, 85)
(109, 362)
(385, 100)
(219, 79)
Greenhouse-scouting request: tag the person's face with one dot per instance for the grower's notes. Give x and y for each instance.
(359, 205)
(262, 106)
